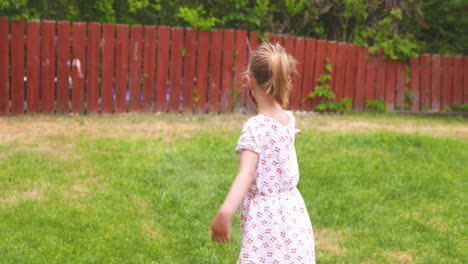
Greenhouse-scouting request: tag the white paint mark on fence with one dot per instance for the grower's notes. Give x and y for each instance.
(77, 63)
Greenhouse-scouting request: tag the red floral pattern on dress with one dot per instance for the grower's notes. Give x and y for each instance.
(274, 221)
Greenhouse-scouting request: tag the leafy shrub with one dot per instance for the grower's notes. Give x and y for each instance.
(379, 106)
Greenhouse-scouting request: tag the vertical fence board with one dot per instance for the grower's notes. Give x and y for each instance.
(390, 84)
(309, 80)
(254, 41)
(176, 68)
(33, 65)
(107, 75)
(465, 80)
(63, 67)
(350, 71)
(331, 55)
(400, 84)
(164, 35)
(381, 74)
(296, 92)
(457, 80)
(414, 83)
(4, 67)
(425, 82)
(241, 62)
(277, 39)
(190, 46)
(121, 69)
(340, 71)
(17, 65)
(371, 67)
(78, 66)
(227, 66)
(319, 68)
(359, 91)
(436, 87)
(48, 66)
(136, 48)
(149, 61)
(202, 71)
(92, 91)
(288, 44)
(215, 66)
(447, 70)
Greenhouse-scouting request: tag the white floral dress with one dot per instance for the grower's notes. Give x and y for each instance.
(274, 221)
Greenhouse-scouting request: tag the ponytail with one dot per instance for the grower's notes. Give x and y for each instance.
(272, 67)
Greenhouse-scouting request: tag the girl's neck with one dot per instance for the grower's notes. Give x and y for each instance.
(266, 103)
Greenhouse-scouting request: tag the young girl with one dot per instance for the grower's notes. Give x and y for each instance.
(274, 221)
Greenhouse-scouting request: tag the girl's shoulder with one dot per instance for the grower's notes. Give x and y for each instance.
(254, 122)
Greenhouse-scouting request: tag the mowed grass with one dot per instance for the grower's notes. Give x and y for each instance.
(144, 188)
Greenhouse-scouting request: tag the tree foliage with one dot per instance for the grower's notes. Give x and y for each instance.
(402, 27)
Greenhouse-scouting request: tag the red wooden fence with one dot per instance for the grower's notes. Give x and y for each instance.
(90, 68)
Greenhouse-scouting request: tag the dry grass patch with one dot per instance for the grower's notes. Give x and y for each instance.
(81, 188)
(140, 204)
(328, 241)
(400, 257)
(358, 124)
(148, 229)
(35, 193)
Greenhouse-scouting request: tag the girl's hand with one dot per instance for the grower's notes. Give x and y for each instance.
(221, 229)
(298, 132)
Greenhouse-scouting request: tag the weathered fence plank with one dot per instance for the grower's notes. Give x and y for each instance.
(94, 56)
(215, 70)
(351, 64)
(149, 60)
(339, 74)
(296, 91)
(309, 80)
(227, 71)
(200, 97)
(4, 67)
(78, 66)
(17, 66)
(390, 85)
(436, 88)
(136, 48)
(319, 68)
(164, 35)
(400, 95)
(447, 78)
(33, 65)
(457, 80)
(190, 46)
(465, 80)
(371, 67)
(177, 44)
(63, 67)
(414, 83)
(359, 91)
(425, 82)
(107, 74)
(381, 74)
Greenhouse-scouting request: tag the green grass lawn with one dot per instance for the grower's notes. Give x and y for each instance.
(144, 188)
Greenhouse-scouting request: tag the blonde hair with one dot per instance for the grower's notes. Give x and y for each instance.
(272, 67)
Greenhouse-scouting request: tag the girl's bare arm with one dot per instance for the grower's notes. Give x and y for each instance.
(221, 227)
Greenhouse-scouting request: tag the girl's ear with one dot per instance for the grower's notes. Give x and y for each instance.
(249, 85)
